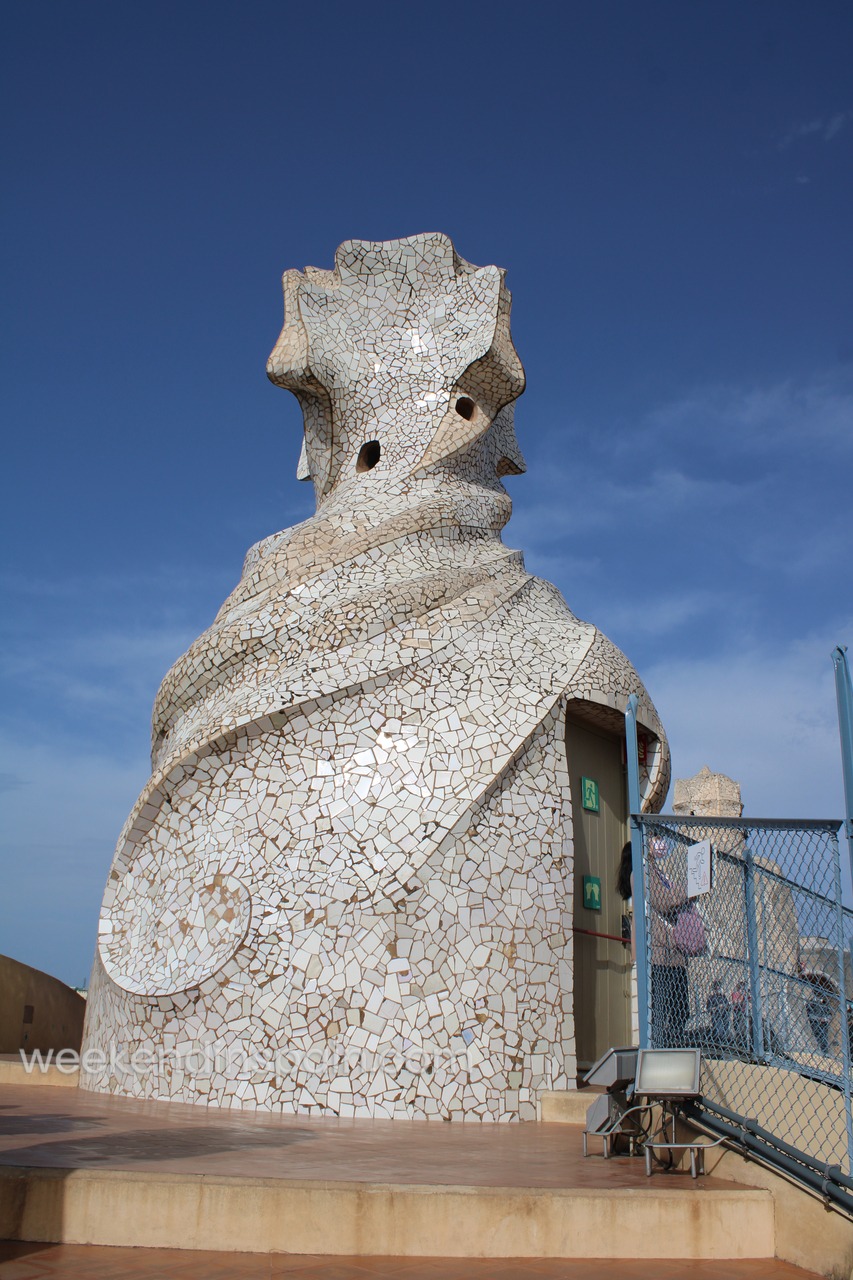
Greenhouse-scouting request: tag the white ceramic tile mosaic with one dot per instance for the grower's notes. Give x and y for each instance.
(354, 856)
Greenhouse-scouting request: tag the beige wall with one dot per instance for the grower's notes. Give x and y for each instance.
(807, 1114)
(57, 1011)
(808, 1233)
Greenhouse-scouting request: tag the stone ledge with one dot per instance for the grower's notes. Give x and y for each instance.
(197, 1211)
(13, 1071)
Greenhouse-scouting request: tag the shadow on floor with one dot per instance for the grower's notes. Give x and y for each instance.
(172, 1143)
(50, 1122)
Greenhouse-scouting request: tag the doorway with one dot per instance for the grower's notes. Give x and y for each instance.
(602, 963)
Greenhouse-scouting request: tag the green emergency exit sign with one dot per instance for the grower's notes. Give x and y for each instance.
(592, 893)
(589, 794)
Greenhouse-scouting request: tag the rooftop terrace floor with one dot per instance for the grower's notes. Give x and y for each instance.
(68, 1129)
(73, 1129)
(86, 1262)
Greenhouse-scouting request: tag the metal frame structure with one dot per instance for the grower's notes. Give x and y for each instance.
(781, 894)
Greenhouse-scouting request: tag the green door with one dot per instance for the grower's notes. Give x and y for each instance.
(602, 965)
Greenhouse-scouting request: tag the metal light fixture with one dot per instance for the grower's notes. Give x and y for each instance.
(615, 1069)
(667, 1073)
(670, 1076)
(611, 1115)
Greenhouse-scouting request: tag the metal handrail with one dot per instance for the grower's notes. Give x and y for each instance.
(775, 824)
(612, 937)
(750, 1140)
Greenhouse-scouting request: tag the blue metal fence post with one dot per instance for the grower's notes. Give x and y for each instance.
(639, 882)
(844, 694)
(842, 1000)
(754, 961)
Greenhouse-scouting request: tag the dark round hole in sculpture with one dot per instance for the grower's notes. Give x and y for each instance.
(465, 408)
(368, 456)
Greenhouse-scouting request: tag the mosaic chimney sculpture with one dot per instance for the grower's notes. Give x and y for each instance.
(346, 887)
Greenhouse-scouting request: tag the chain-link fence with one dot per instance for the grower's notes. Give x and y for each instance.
(748, 957)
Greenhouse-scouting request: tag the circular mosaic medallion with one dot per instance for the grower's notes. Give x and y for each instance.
(160, 935)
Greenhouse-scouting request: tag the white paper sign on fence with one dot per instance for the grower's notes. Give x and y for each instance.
(699, 868)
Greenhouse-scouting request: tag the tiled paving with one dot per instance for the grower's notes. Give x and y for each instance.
(69, 1128)
(83, 1262)
(73, 1129)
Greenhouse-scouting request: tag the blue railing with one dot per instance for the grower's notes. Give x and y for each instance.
(756, 971)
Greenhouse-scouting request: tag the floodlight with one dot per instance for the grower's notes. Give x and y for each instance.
(667, 1073)
(614, 1070)
(609, 1114)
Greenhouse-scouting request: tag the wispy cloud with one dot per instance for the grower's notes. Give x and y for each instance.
(801, 545)
(96, 675)
(61, 818)
(823, 127)
(666, 613)
(703, 444)
(805, 129)
(701, 485)
(574, 499)
(837, 123)
(765, 714)
(169, 585)
(736, 527)
(83, 659)
(86, 657)
(753, 418)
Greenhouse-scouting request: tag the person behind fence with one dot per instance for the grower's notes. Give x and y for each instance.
(625, 889)
(741, 1014)
(671, 938)
(819, 1015)
(719, 1013)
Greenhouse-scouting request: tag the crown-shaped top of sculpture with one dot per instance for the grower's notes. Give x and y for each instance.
(402, 360)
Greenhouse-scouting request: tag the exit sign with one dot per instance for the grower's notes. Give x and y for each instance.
(589, 795)
(592, 893)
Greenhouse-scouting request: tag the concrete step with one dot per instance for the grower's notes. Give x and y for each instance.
(568, 1107)
(154, 1209)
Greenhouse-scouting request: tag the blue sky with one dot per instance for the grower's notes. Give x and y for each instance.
(669, 186)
